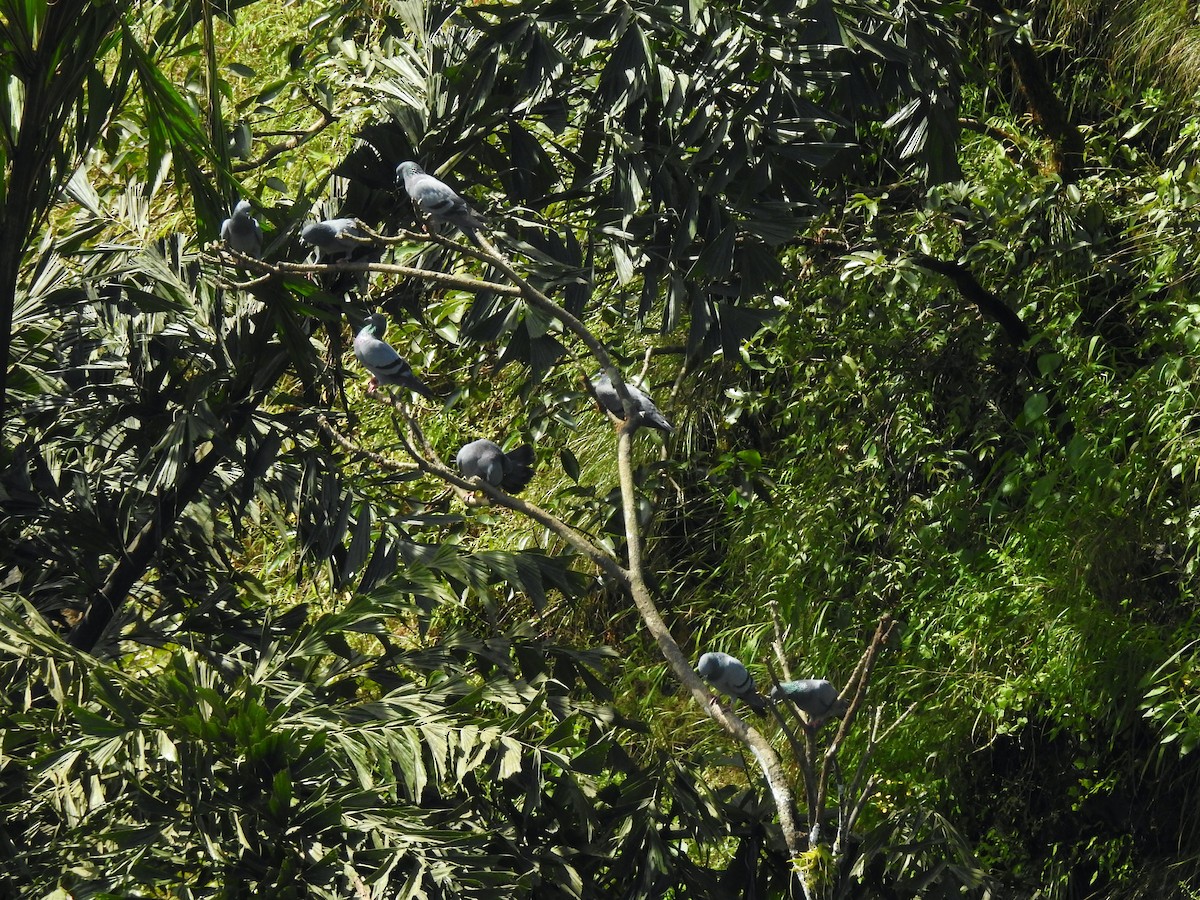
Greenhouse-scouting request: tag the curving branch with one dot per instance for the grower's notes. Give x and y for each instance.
(630, 577)
(293, 140)
(764, 753)
(856, 690)
(991, 306)
(535, 298)
(1016, 148)
(1048, 108)
(816, 766)
(531, 511)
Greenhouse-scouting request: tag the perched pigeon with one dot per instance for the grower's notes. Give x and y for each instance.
(648, 413)
(241, 232)
(508, 471)
(729, 676)
(435, 199)
(338, 240)
(341, 240)
(385, 364)
(815, 696)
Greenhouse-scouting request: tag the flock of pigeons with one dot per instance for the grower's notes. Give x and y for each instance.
(342, 240)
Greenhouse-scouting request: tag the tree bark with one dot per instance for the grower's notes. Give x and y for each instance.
(1048, 109)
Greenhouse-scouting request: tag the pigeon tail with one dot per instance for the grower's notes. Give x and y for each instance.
(757, 702)
(520, 469)
(420, 387)
(655, 419)
(469, 231)
(412, 382)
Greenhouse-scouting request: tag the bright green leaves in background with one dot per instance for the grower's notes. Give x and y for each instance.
(323, 678)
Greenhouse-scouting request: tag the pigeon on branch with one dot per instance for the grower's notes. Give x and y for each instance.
(508, 471)
(384, 363)
(814, 696)
(727, 674)
(646, 412)
(341, 240)
(338, 240)
(435, 199)
(241, 230)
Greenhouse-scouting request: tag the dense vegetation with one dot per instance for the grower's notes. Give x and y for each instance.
(914, 283)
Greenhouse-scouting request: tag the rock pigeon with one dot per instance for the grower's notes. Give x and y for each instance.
(338, 240)
(385, 364)
(341, 240)
(241, 231)
(729, 676)
(508, 471)
(648, 413)
(435, 199)
(815, 696)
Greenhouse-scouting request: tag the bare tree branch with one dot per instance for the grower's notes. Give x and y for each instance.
(857, 688)
(767, 758)
(227, 256)
(297, 139)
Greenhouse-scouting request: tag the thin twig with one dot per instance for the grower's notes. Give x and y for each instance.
(241, 285)
(384, 462)
(537, 299)
(797, 748)
(780, 635)
(645, 365)
(858, 686)
(297, 139)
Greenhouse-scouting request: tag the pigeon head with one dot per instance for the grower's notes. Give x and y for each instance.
(377, 322)
(316, 233)
(406, 169)
(242, 210)
(709, 667)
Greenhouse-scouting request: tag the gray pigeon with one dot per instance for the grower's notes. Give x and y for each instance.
(648, 413)
(435, 199)
(815, 696)
(729, 676)
(337, 240)
(341, 240)
(241, 231)
(385, 364)
(508, 471)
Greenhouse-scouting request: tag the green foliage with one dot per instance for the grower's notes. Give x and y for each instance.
(965, 396)
(188, 772)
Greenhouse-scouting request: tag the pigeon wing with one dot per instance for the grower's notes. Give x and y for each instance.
(440, 202)
(649, 412)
